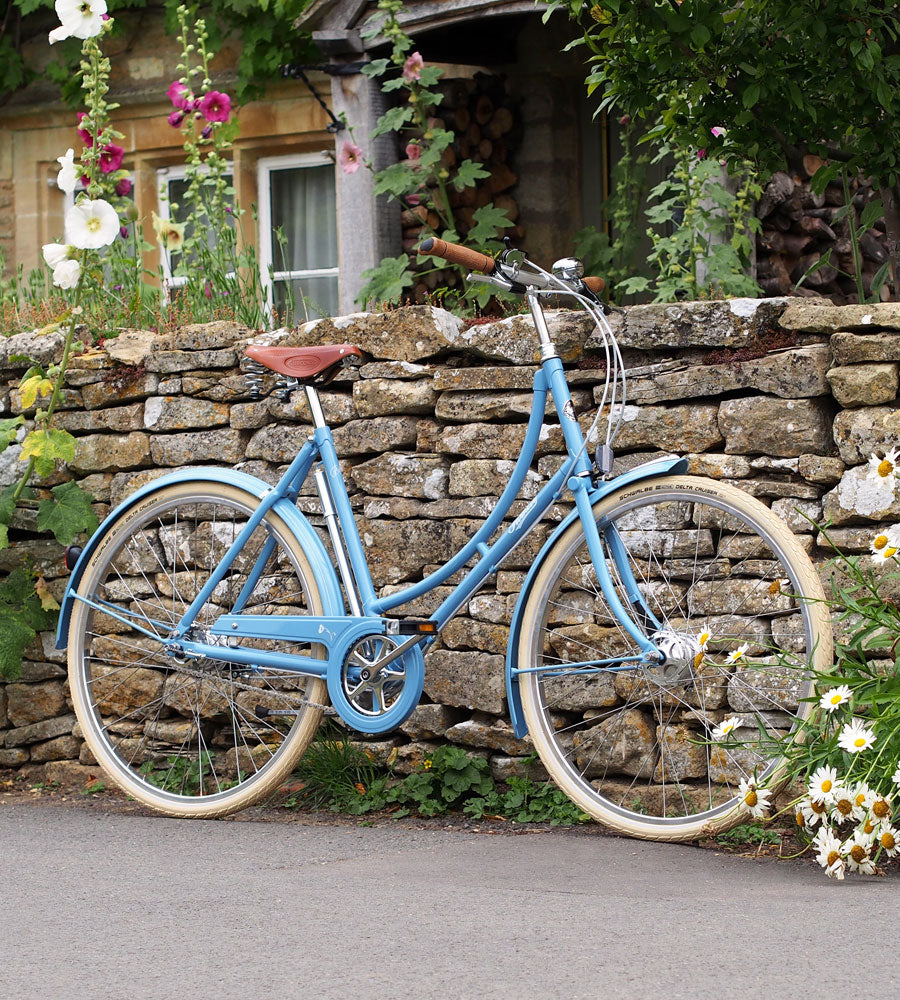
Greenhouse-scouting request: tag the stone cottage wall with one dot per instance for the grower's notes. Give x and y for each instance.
(785, 398)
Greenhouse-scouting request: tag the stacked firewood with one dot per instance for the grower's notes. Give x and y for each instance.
(799, 229)
(483, 119)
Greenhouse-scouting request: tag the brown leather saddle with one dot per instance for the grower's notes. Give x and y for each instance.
(305, 364)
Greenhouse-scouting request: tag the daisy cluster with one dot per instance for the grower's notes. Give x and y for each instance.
(885, 471)
(855, 822)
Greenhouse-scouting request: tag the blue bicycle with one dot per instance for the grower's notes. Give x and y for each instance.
(664, 636)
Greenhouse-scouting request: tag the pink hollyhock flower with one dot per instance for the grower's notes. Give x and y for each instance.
(412, 68)
(83, 133)
(718, 131)
(179, 94)
(175, 119)
(413, 199)
(413, 151)
(124, 187)
(123, 232)
(625, 119)
(207, 132)
(111, 158)
(350, 158)
(215, 106)
(701, 154)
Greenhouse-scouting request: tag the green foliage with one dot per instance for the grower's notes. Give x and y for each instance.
(707, 252)
(67, 513)
(422, 179)
(337, 775)
(182, 775)
(781, 77)
(747, 833)
(21, 618)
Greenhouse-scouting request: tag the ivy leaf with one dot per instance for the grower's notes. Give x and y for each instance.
(48, 601)
(9, 428)
(67, 514)
(47, 447)
(14, 637)
(488, 221)
(386, 282)
(467, 173)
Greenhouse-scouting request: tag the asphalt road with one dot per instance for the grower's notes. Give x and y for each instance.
(98, 905)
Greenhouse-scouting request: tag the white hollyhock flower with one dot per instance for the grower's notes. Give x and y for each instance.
(55, 253)
(822, 785)
(855, 737)
(835, 697)
(66, 275)
(66, 179)
(80, 19)
(92, 224)
(725, 727)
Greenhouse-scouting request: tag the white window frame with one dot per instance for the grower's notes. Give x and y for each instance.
(163, 176)
(264, 168)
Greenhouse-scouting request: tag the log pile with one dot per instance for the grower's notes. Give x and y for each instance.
(798, 230)
(486, 125)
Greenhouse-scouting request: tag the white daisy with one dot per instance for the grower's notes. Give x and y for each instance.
(66, 274)
(67, 179)
(822, 785)
(80, 19)
(830, 852)
(843, 805)
(888, 838)
(879, 806)
(896, 775)
(858, 850)
(855, 737)
(883, 468)
(725, 727)
(886, 544)
(91, 224)
(754, 800)
(737, 654)
(809, 813)
(835, 697)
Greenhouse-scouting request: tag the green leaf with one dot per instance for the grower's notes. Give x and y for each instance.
(467, 173)
(751, 95)
(700, 35)
(872, 212)
(9, 428)
(386, 282)
(67, 514)
(392, 121)
(824, 176)
(488, 221)
(47, 447)
(375, 68)
(14, 637)
(33, 387)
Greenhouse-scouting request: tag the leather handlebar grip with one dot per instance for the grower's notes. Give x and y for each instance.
(596, 285)
(456, 254)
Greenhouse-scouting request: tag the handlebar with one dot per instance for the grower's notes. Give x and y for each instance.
(504, 277)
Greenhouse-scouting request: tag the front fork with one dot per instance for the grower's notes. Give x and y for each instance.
(626, 618)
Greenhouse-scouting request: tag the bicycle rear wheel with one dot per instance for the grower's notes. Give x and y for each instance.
(202, 737)
(726, 586)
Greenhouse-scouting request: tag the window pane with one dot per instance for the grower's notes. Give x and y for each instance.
(176, 189)
(304, 209)
(313, 297)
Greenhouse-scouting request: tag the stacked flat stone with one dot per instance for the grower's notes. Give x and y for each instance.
(785, 398)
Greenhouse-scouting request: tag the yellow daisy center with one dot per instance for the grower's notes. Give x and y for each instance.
(836, 699)
(890, 552)
(858, 853)
(800, 820)
(885, 468)
(860, 741)
(832, 857)
(869, 827)
(751, 798)
(826, 785)
(819, 807)
(880, 542)
(844, 807)
(888, 841)
(881, 808)
(775, 586)
(860, 798)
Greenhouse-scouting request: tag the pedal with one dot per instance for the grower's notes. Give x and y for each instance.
(416, 626)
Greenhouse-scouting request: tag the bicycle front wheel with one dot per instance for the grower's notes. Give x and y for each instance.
(724, 586)
(197, 737)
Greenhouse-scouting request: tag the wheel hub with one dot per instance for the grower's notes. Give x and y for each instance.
(678, 652)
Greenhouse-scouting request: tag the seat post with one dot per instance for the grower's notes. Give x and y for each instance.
(315, 406)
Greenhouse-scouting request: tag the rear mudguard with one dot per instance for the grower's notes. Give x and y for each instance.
(323, 570)
(650, 470)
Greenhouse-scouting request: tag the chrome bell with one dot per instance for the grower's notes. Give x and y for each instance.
(569, 268)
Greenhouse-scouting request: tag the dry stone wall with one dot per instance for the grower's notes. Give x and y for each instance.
(785, 398)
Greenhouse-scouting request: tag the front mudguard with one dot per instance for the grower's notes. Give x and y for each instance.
(650, 470)
(323, 570)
